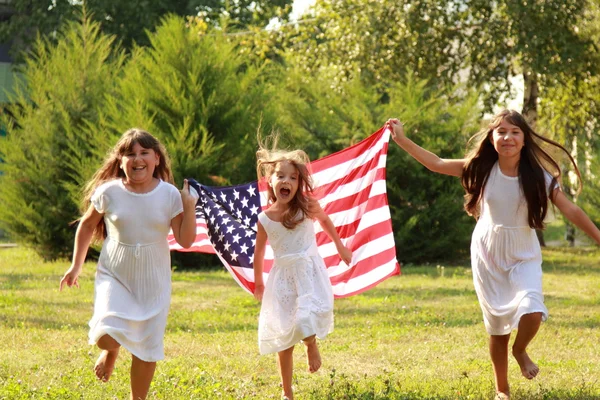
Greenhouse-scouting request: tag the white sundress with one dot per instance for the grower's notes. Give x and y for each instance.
(506, 258)
(298, 298)
(133, 277)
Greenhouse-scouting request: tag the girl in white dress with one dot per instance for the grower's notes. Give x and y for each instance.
(508, 179)
(133, 206)
(297, 302)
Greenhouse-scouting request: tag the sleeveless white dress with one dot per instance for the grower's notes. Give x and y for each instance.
(298, 298)
(133, 277)
(506, 258)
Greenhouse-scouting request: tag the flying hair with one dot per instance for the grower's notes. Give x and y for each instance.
(268, 157)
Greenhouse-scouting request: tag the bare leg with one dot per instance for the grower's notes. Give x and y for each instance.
(528, 328)
(285, 362)
(142, 373)
(499, 356)
(312, 353)
(105, 364)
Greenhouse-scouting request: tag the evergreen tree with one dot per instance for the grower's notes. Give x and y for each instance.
(48, 148)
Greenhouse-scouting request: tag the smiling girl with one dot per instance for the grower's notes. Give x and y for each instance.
(297, 302)
(133, 206)
(508, 179)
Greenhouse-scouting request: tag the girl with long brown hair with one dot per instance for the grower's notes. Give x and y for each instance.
(297, 301)
(509, 179)
(133, 206)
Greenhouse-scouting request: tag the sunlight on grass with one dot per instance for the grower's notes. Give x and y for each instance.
(416, 336)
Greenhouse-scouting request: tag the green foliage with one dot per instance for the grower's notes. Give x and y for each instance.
(572, 117)
(429, 220)
(427, 214)
(192, 90)
(321, 120)
(48, 147)
(445, 41)
(129, 20)
(379, 40)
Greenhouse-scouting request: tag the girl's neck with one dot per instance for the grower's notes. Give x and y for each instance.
(509, 166)
(276, 210)
(141, 187)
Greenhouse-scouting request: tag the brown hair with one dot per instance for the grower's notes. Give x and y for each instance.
(535, 161)
(110, 169)
(267, 161)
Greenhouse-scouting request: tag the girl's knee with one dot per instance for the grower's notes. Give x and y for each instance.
(106, 342)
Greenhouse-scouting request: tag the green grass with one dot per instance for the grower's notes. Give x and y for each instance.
(417, 336)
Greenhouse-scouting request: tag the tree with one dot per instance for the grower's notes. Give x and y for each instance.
(550, 43)
(200, 97)
(47, 146)
(427, 212)
(129, 20)
(190, 88)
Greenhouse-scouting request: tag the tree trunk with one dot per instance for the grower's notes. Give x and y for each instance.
(570, 234)
(530, 99)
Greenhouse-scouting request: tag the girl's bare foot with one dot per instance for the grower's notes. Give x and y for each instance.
(287, 396)
(502, 396)
(528, 368)
(312, 354)
(105, 364)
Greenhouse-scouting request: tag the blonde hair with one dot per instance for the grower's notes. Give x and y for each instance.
(110, 169)
(266, 163)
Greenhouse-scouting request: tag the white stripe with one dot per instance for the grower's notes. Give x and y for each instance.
(333, 173)
(365, 280)
(355, 213)
(366, 251)
(354, 187)
(368, 220)
(200, 243)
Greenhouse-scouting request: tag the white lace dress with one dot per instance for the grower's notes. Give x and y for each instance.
(298, 298)
(133, 277)
(506, 258)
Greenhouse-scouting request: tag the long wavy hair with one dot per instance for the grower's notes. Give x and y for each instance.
(535, 161)
(110, 169)
(301, 205)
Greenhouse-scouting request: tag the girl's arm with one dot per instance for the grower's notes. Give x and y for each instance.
(576, 215)
(259, 258)
(329, 228)
(83, 238)
(425, 157)
(184, 224)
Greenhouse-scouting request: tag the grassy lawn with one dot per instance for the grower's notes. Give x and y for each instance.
(417, 336)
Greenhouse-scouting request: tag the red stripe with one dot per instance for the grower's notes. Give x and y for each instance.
(246, 283)
(334, 159)
(396, 271)
(348, 202)
(345, 231)
(209, 249)
(355, 174)
(364, 266)
(362, 238)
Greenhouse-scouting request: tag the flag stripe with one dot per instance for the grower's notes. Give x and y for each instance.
(350, 186)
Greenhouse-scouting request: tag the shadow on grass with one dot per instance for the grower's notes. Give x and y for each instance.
(17, 281)
(571, 260)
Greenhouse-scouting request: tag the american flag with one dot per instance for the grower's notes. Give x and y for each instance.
(351, 188)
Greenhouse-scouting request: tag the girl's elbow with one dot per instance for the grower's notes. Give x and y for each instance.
(187, 243)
